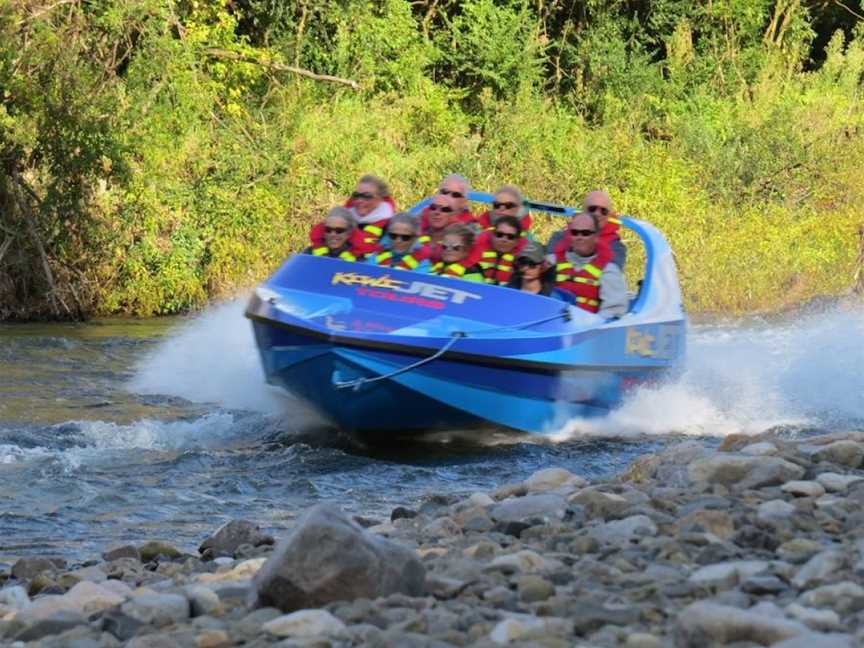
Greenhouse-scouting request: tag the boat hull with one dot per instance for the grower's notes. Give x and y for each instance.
(386, 351)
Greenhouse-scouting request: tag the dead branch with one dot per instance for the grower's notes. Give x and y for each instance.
(858, 279)
(280, 67)
(5, 247)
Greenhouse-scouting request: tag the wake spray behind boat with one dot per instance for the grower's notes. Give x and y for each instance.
(379, 350)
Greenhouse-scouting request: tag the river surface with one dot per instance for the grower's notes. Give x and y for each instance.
(124, 431)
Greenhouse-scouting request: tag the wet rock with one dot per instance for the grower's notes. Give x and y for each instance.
(327, 557)
(121, 551)
(202, 600)
(523, 628)
(804, 488)
(743, 471)
(643, 640)
(704, 624)
(157, 609)
(599, 504)
(120, 625)
(306, 623)
(400, 512)
(761, 585)
(843, 597)
(842, 453)
(230, 536)
(53, 624)
(545, 506)
(525, 561)
(818, 641)
(154, 549)
(90, 598)
(533, 588)
(622, 532)
(727, 575)
(825, 620)
(26, 568)
(552, 479)
(15, 598)
(762, 449)
(718, 523)
(837, 483)
(774, 510)
(817, 569)
(799, 550)
(250, 625)
(212, 639)
(589, 616)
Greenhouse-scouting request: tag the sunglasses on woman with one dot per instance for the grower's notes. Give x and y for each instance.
(335, 230)
(597, 208)
(362, 195)
(504, 205)
(401, 237)
(507, 235)
(448, 192)
(444, 209)
(451, 247)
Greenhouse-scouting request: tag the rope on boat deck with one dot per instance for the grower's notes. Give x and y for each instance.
(357, 383)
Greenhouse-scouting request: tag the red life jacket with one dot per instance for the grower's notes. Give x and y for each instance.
(609, 232)
(583, 283)
(375, 230)
(323, 250)
(485, 222)
(408, 262)
(497, 266)
(448, 269)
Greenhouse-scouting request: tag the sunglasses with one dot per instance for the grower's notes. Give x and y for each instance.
(444, 209)
(455, 194)
(597, 208)
(451, 247)
(401, 237)
(504, 205)
(362, 195)
(528, 263)
(581, 232)
(335, 230)
(507, 235)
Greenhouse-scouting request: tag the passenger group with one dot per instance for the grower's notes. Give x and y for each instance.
(581, 264)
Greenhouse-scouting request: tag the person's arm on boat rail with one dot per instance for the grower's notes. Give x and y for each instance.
(614, 299)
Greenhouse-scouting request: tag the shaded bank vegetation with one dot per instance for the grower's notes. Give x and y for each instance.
(154, 154)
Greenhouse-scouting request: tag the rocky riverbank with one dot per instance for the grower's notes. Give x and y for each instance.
(756, 543)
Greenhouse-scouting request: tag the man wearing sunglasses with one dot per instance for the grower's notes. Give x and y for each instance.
(400, 247)
(455, 188)
(440, 213)
(599, 204)
(507, 201)
(338, 230)
(498, 248)
(587, 271)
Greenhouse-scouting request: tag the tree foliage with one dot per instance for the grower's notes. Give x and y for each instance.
(159, 153)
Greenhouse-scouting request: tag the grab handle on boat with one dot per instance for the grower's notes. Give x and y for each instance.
(359, 382)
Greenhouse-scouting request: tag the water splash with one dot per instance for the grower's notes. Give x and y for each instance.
(213, 359)
(802, 371)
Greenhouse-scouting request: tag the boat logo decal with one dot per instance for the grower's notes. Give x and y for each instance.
(659, 342)
(418, 292)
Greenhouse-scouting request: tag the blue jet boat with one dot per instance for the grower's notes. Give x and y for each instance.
(379, 350)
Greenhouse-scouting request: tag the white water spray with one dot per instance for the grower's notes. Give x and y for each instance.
(746, 379)
(212, 359)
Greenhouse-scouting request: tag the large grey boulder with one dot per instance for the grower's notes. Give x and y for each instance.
(230, 536)
(743, 471)
(328, 557)
(704, 624)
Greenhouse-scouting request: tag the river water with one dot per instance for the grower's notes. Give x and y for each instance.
(123, 431)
